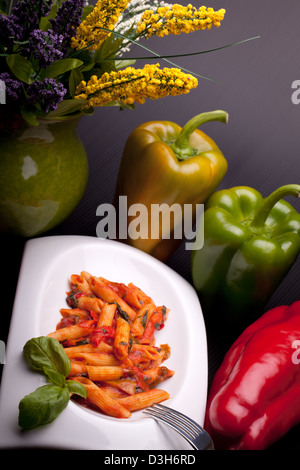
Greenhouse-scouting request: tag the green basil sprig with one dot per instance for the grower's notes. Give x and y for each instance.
(47, 356)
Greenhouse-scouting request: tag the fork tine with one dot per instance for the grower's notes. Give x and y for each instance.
(169, 419)
(185, 426)
(180, 418)
(165, 420)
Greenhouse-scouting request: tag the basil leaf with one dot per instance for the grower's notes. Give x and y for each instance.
(20, 67)
(122, 312)
(59, 67)
(42, 406)
(76, 387)
(144, 319)
(47, 356)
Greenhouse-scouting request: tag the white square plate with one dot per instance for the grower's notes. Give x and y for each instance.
(41, 292)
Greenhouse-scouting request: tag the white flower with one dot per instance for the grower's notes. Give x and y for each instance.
(131, 17)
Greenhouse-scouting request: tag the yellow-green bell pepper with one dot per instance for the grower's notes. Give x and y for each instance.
(163, 163)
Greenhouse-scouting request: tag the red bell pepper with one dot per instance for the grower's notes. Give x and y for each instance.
(254, 396)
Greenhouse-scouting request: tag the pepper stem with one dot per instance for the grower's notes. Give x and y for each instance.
(181, 146)
(270, 201)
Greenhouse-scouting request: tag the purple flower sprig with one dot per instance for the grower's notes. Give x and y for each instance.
(46, 47)
(13, 89)
(37, 77)
(46, 94)
(24, 18)
(22, 27)
(67, 21)
(41, 96)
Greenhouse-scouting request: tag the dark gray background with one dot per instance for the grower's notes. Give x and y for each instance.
(261, 141)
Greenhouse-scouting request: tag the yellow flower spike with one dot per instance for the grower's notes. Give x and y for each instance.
(104, 15)
(134, 85)
(178, 19)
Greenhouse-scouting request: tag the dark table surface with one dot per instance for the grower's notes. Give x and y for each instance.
(261, 141)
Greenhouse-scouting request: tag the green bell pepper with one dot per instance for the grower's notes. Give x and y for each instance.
(250, 243)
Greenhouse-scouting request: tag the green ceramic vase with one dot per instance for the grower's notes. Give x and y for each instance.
(43, 174)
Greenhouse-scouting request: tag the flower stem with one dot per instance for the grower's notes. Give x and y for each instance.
(154, 53)
(10, 7)
(188, 54)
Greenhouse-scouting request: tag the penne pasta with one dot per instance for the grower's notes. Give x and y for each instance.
(123, 291)
(99, 373)
(142, 297)
(78, 312)
(102, 400)
(88, 348)
(90, 303)
(126, 385)
(77, 368)
(155, 323)
(107, 294)
(97, 359)
(121, 341)
(114, 392)
(70, 332)
(80, 284)
(106, 315)
(158, 374)
(148, 356)
(87, 276)
(143, 399)
(108, 333)
(142, 319)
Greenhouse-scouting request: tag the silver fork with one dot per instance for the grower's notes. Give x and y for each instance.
(185, 426)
